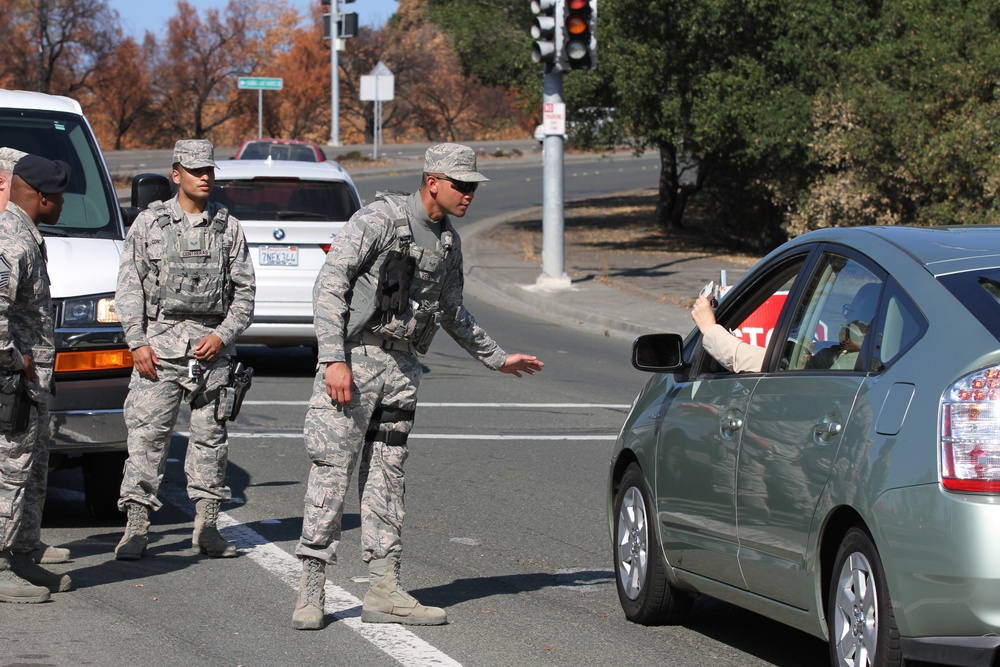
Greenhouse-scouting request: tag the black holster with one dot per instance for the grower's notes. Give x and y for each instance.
(230, 400)
(15, 406)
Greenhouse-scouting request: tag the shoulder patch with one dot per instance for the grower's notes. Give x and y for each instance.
(5, 267)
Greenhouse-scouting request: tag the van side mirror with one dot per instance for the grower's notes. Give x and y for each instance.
(658, 353)
(147, 188)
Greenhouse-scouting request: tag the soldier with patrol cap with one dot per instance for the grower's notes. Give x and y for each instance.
(185, 293)
(392, 278)
(27, 354)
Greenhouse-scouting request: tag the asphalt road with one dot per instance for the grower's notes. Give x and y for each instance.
(506, 524)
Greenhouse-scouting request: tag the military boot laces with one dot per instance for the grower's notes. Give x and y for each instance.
(387, 602)
(15, 589)
(133, 543)
(24, 566)
(308, 614)
(206, 538)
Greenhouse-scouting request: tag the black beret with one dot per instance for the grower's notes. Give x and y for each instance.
(43, 175)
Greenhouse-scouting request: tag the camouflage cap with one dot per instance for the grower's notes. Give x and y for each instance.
(9, 157)
(194, 153)
(454, 161)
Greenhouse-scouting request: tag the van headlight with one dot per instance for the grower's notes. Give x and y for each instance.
(89, 310)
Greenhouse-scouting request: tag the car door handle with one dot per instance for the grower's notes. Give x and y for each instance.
(732, 424)
(827, 430)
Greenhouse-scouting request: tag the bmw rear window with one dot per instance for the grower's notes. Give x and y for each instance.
(286, 199)
(979, 292)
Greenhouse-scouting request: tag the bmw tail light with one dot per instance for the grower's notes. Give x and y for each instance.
(970, 433)
(325, 247)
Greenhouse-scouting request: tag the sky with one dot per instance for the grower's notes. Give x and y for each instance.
(137, 17)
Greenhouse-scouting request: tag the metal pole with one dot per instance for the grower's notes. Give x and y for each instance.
(260, 113)
(553, 260)
(334, 75)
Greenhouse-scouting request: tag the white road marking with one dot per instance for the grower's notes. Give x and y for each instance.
(394, 640)
(425, 436)
(547, 406)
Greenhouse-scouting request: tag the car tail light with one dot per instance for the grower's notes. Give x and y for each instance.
(325, 247)
(970, 433)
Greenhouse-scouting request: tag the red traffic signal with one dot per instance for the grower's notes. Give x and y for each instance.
(580, 30)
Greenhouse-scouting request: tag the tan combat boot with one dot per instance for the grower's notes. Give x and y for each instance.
(45, 554)
(15, 589)
(133, 543)
(24, 566)
(206, 538)
(386, 602)
(308, 614)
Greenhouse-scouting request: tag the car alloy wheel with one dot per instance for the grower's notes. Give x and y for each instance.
(645, 594)
(632, 542)
(863, 630)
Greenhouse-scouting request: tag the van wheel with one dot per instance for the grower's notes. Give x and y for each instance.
(102, 482)
(644, 592)
(863, 630)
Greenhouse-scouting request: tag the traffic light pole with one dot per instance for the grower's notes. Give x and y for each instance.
(553, 244)
(334, 74)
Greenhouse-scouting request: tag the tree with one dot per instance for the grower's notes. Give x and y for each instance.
(199, 67)
(908, 137)
(122, 95)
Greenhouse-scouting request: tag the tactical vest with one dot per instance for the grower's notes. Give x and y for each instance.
(422, 319)
(192, 278)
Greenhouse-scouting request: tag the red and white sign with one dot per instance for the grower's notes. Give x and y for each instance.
(554, 118)
(757, 329)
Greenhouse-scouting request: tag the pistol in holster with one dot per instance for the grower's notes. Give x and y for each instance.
(230, 400)
(15, 406)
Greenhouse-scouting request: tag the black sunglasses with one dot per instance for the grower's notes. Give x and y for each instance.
(465, 187)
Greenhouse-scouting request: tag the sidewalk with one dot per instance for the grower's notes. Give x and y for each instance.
(643, 301)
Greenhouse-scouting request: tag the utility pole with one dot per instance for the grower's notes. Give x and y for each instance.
(339, 26)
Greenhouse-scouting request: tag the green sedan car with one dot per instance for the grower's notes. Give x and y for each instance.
(847, 482)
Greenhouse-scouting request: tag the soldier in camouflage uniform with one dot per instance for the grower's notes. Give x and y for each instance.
(38, 484)
(392, 277)
(185, 293)
(27, 347)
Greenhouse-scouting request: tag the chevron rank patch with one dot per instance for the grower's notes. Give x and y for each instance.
(5, 268)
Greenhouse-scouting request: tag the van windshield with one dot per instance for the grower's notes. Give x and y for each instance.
(89, 210)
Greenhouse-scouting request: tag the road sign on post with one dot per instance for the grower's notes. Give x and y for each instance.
(260, 84)
(378, 87)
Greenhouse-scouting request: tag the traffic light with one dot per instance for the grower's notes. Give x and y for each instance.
(547, 48)
(579, 20)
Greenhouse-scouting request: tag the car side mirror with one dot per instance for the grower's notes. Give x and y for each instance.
(147, 188)
(658, 353)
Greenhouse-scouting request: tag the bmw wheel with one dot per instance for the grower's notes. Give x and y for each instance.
(862, 627)
(645, 594)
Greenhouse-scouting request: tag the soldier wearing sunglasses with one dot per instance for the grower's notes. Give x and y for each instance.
(392, 278)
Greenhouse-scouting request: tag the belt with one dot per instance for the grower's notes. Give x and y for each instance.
(368, 338)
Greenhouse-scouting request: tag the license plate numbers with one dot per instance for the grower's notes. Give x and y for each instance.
(279, 255)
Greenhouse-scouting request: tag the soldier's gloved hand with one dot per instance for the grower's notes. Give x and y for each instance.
(402, 298)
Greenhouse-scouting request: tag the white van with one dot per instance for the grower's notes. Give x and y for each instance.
(93, 364)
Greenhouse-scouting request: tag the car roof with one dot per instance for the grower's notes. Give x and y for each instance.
(248, 169)
(940, 250)
(23, 99)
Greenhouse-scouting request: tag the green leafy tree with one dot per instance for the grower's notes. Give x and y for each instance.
(909, 136)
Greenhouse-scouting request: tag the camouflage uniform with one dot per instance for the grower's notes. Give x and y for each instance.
(26, 327)
(152, 406)
(386, 374)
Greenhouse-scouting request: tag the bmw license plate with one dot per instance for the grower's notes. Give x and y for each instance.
(279, 255)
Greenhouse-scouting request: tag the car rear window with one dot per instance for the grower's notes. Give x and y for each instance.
(278, 199)
(979, 292)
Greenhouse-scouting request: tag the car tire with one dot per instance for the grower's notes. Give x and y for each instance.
(102, 483)
(862, 627)
(645, 594)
